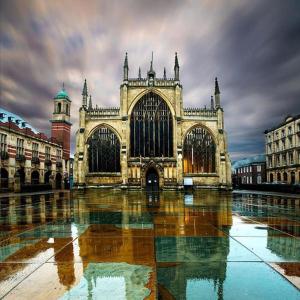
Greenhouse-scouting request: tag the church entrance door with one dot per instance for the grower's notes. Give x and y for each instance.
(152, 180)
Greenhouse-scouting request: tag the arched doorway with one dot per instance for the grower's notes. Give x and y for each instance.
(47, 176)
(35, 177)
(4, 178)
(285, 177)
(21, 173)
(58, 179)
(152, 180)
(293, 178)
(278, 177)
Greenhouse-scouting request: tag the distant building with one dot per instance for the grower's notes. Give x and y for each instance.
(30, 157)
(249, 170)
(283, 151)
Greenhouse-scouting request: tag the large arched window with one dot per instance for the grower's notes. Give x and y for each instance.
(151, 128)
(199, 152)
(104, 151)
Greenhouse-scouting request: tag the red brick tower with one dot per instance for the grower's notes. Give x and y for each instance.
(61, 125)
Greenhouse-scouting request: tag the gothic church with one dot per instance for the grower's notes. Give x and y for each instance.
(151, 140)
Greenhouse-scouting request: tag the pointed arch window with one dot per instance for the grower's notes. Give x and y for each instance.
(199, 152)
(151, 128)
(104, 151)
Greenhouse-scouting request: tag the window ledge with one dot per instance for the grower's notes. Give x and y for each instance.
(104, 174)
(200, 175)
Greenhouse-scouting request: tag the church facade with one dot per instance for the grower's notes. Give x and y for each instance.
(151, 140)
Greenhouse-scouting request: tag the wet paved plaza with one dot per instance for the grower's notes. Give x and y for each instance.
(105, 244)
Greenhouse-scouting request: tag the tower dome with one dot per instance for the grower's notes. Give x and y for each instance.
(62, 94)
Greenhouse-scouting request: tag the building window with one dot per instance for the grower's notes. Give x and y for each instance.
(47, 153)
(151, 128)
(290, 130)
(104, 151)
(291, 158)
(258, 168)
(270, 148)
(3, 142)
(278, 160)
(250, 169)
(58, 154)
(20, 146)
(277, 146)
(284, 159)
(259, 179)
(282, 133)
(35, 150)
(199, 151)
(283, 144)
(270, 162)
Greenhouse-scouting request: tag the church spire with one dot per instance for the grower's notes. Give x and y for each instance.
(90, 103)
(140, 75)
(217, 94)
(217, 89)
(151, 63)
(165, 73)
(84, 94)
(176, 68)
(151, 72)
(212, 105)
(125, 68)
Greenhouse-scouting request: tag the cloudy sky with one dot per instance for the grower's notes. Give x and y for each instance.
(253, 47)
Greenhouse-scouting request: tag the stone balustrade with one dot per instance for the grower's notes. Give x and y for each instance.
(199, 112)
(156, 82)
(104, 112)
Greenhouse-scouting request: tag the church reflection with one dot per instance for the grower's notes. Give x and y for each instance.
(183, 238)
(155, 229)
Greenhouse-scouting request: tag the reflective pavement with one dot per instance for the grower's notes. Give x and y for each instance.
(106, 244)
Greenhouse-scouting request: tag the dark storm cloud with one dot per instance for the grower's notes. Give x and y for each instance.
(252, 46)
(262, 49)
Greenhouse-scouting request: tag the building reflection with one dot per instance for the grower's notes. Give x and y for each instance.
(29, 231)
(178, 235)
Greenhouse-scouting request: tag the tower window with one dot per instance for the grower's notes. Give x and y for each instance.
(59, 108)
